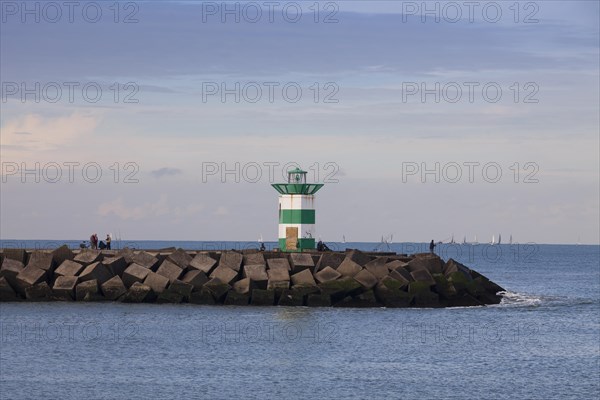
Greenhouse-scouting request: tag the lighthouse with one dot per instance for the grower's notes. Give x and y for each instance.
(296, 212)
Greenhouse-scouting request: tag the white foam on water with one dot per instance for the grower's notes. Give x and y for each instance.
(513, 299)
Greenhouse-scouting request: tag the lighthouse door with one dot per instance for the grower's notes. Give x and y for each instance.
(291, 238)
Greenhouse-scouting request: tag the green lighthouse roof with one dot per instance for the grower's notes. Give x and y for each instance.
(296, 184)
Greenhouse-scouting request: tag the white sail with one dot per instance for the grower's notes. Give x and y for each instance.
(493, 240)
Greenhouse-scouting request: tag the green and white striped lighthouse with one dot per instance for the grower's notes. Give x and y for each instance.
(296, 212)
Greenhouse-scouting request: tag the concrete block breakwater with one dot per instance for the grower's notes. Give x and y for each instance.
(315, 279)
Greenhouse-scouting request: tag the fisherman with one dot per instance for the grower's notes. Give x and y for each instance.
(94, 241)
(108, 240)
(431, 246)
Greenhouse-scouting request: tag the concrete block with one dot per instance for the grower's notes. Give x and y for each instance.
(423, 275)
(464, 300)
(278, 274)
(303, 278)
(88, 256)
(340, 288)
(15, 254)
(41, 259)
(392, 265)
(278, 286)
(362, 300)
(301, 261)
(422, 295)
(224, 274)
(95, 271)
(127, 254)
(195, 277)
(262, 297)
(156, 282)
(358, 257)
(430, 262)
(366, 279)
(64, 287)
(318, 300)
(183, 288)
(454, 266)
(7, 293)
(62, 254)
(68, 268)
(349, 268)
(243, 286)
(327, 274)
(135, 273)
(87, 290)
(169, 296)
(395, 284)
(443, 287)
(279, 263)
(29, 276)
(38, 292)
(403, 272)
(113, 288)
(10, 269)
(180, 258)
(203, 262)
(170, 270)
(392, 297)
(234, 298)
(217, 288)
(488, 285)
(332, 260)
(460, 281)
(291, 298)
(116, 265)
(231, 259)
(146, 260)
(258, 275)
(203, 296)
(377, 267)
(137, 293)
(254, 259)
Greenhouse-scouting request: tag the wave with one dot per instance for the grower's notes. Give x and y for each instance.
(514, 299)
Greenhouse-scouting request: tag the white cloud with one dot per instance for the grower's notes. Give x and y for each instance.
(24, 135)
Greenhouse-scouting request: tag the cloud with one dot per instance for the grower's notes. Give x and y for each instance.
(166, 171)
(158, 208)
(221, 211)
(35, 133)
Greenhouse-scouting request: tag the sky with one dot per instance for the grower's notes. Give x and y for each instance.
(169, 121)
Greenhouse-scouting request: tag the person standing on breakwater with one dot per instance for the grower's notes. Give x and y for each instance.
(431, 246)
(94, 241)
(108, 240)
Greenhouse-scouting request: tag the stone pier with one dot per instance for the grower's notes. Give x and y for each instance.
(313, 279)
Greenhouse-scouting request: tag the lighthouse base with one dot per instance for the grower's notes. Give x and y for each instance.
(286, 245)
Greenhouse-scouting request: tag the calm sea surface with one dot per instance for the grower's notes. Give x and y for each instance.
(542, 342)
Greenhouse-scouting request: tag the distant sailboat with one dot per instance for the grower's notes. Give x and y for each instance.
(452, 240)
(343, 238)
(510, 239)
(464, 240)
(493, 242)
(499, 238)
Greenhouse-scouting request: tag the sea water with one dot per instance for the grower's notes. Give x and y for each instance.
(541, 342)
